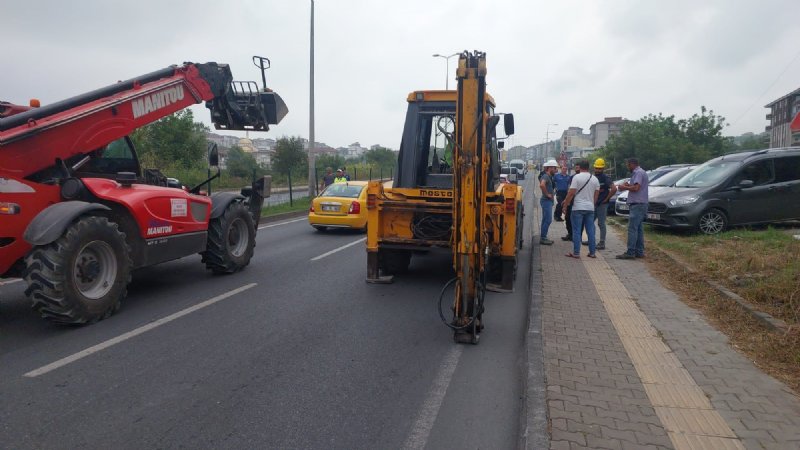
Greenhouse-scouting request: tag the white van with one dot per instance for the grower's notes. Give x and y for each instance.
(522, 168)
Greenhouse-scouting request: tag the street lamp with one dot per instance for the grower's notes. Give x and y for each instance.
(547, 136)
(447, 66)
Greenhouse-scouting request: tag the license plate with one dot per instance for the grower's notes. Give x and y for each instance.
(622, 207)
(654, 216)
(330, 208)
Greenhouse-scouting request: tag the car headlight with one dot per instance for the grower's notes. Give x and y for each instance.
(680, 201)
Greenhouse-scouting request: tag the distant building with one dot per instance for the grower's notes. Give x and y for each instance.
(574, 142)
(784, 112)
(601, 131)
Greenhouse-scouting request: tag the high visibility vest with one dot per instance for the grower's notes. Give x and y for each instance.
(340, 180)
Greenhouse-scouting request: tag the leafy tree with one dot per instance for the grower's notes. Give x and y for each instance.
(289, 155)
(753, 143)
(175, 141)
(380, 157)
(332, 161)
(658, 140)
(240, 163)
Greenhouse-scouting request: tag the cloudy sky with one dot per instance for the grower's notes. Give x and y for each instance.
(570, 63)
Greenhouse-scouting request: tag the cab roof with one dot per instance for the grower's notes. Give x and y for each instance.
(440, 96)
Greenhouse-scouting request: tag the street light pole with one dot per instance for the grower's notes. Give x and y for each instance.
(547, 136)
(447, 68)
(312, 183)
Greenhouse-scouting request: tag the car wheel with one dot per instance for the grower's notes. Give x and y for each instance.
(712, 221)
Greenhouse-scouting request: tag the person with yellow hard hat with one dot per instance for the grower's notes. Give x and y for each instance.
(607, 190)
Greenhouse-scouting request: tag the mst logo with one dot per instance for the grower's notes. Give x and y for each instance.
(156, 101)
(432, 193)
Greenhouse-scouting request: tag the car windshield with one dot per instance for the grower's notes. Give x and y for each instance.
(653, 175)
(709, 173)
(342, 190)
(670, 178)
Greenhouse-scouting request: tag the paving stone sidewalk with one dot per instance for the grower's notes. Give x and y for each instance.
(596, 397)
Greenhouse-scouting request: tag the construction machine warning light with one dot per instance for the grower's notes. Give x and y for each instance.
(9, 208)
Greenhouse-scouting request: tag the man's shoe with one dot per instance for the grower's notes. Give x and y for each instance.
(558, 219)
(640, 256)
(566, 238)
(545, 242)
(626, 256)
(601, 245)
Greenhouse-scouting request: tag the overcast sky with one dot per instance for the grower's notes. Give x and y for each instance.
(570, 63)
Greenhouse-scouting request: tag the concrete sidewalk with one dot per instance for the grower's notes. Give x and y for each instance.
(628, 365)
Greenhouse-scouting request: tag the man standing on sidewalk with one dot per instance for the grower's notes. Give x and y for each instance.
(637, 201)
(562, 186)
(548, 194)
(582, 195)
(607, 190)
(568, 210)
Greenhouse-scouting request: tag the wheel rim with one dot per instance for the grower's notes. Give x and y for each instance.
(711, 223)
(95, 269)
(238, 237)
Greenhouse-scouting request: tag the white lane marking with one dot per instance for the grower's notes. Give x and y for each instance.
(421, 430)
(337, 249)
(123, 337)
(9, 281)
(282, 223)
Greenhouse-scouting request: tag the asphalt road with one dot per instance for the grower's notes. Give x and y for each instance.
(304, 354)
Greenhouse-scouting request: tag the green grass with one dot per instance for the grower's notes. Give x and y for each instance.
(301, 204)
(761, 265)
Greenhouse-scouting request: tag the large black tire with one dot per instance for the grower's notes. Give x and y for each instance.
(231, 239)
(395, 262)
(83, 275)
(712, 221)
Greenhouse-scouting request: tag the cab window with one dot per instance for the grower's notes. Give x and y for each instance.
(115, 157)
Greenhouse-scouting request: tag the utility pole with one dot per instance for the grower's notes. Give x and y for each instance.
(312, 182)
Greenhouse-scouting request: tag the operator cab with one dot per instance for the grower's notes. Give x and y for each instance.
(426, 149)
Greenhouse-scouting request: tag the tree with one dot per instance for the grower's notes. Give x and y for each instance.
(332, 161)
(658, 140)
(289, 155)
(240, 163)
(175, 141)
(380, 157)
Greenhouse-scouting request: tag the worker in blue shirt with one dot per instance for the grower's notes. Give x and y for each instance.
(562, 187)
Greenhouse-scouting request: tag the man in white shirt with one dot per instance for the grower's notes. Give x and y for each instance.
(582, 195)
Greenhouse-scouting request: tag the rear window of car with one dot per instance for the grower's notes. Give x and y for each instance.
(342, 190)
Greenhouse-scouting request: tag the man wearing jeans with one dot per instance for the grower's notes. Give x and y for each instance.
(546, 202)
(607, 190)
(637, 201)
(582, 195)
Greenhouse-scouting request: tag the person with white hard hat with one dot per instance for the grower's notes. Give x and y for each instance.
(547, 186)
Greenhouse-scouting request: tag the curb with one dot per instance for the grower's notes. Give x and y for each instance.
(534, 432)
(771, 323)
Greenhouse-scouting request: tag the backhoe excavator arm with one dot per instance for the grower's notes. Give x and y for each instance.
(470, 172)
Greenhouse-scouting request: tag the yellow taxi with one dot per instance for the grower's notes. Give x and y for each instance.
(340, 205)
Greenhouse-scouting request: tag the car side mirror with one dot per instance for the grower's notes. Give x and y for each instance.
(745, 184)
(213, 155)
(508, 124)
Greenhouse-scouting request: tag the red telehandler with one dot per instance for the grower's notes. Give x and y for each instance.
(78, 213)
